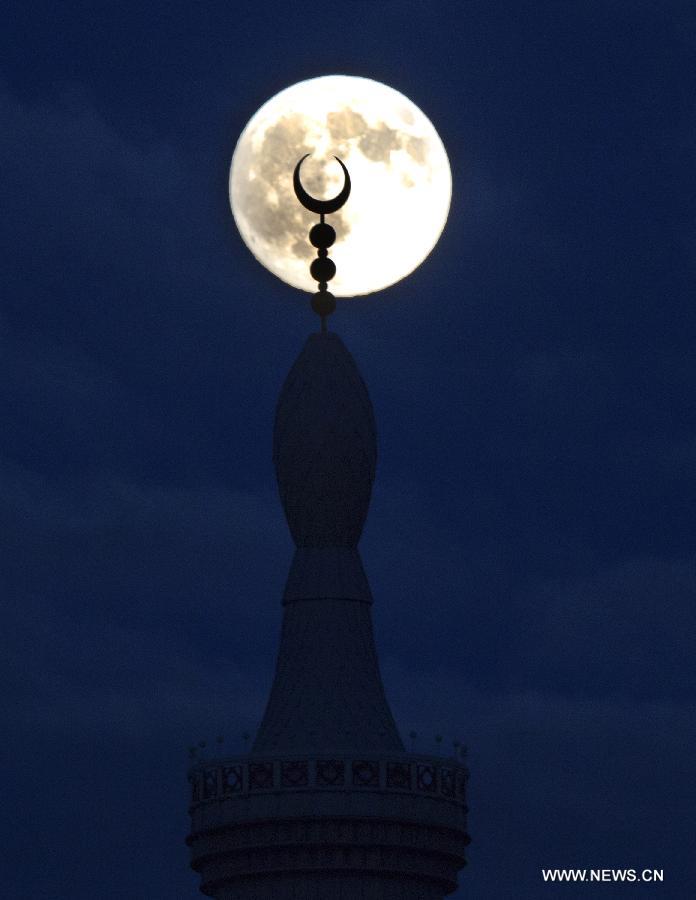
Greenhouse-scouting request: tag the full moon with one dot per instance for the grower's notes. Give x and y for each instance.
(400, 175)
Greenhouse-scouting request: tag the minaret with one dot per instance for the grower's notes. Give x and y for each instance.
(327, 804)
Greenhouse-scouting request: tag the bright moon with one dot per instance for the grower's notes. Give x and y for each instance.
(400, 175)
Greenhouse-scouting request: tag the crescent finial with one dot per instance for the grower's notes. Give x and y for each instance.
(321, 207)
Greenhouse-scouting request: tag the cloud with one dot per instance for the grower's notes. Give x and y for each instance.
(137, 608)
(678, 458)
(556, 780)
(510, 601)
(92, 679)
(108, 519)
(110, 232)
(629, 622)
(75, 181)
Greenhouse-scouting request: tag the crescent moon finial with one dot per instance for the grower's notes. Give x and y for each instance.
(321, 207)
(322, 237)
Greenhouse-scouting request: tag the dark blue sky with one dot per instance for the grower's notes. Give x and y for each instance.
(531, 538)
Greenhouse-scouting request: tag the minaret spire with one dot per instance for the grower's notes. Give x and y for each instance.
(327, 691)
(327, 803)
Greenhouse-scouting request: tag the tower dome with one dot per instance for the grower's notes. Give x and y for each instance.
(325, 447)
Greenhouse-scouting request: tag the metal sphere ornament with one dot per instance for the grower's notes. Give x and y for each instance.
(322, 236)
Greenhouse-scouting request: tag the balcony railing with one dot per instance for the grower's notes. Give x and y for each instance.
(436, 777)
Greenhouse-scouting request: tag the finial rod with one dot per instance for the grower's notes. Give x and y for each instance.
(322, 236)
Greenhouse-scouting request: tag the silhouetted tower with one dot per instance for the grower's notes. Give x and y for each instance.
(328, 804)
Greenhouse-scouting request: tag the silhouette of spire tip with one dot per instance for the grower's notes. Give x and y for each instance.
(322, 236)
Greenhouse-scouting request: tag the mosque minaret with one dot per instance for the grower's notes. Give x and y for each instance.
(327, 803)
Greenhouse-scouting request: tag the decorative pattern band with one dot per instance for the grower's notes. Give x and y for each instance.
(431, 776)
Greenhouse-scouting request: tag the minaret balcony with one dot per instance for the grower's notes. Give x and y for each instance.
(438, 778)
(260, 823)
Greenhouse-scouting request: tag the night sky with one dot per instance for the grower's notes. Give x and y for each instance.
(531, 539)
